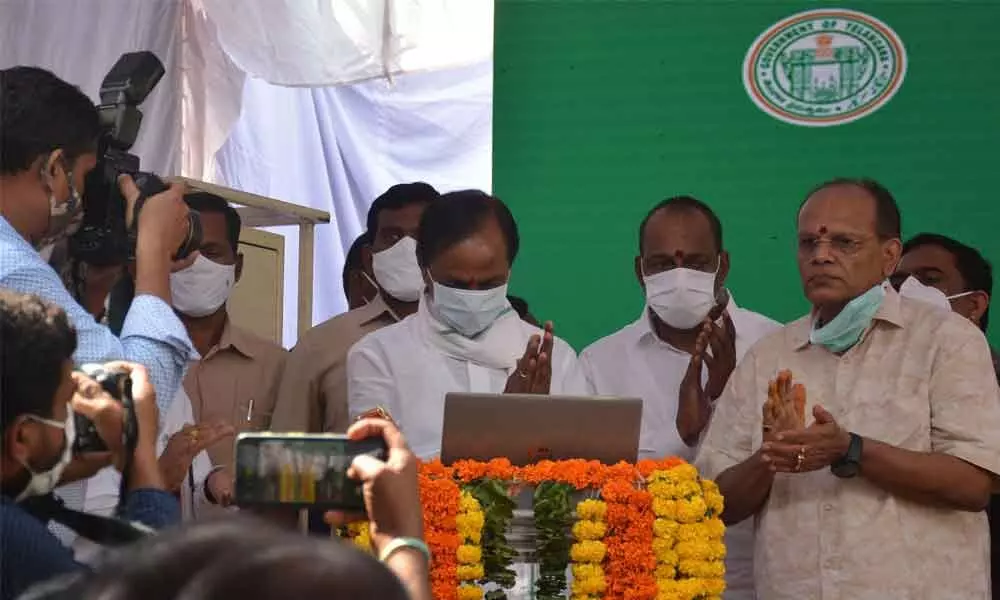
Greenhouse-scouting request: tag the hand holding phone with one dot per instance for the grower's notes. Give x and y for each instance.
(390, 486)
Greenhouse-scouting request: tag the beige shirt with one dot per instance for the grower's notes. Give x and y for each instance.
(313, 393)
(920, 379)
(236, 382)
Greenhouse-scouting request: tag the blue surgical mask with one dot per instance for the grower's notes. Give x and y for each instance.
(469, 312)
(844, 330)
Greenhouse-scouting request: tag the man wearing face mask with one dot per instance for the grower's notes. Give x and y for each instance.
(40, 393)
(689, 320)
(950, 274)
(465, 336)
(359, 285)
(313, 393)
(236, 381)
(48, 144)
(873, 475)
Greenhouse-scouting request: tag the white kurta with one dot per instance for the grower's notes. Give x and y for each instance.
(406, 370)
(634, 362)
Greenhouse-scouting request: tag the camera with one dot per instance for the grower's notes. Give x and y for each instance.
(105, 238)
(118, 384)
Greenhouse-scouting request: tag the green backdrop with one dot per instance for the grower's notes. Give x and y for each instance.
(603, 108)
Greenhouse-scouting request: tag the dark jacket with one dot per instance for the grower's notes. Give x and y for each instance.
(31, 554)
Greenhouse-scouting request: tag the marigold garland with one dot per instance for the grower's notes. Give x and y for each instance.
(589, 550)
(653, 531)
(470, 553)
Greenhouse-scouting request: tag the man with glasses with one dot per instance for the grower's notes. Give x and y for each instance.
(880, 480)
(679, 354)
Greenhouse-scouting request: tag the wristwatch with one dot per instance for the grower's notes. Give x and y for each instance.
(850, 464)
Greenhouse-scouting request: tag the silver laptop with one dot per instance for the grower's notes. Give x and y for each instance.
(527, 428)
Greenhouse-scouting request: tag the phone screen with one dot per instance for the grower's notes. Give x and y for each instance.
(300, 470)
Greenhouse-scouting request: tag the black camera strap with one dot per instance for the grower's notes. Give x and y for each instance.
(130, 439)
(107, 531)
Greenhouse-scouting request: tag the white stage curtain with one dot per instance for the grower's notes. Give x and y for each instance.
(337, 148)
(80, 40)
(332, 42)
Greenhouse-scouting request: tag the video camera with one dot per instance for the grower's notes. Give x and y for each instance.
(118, 384)
(105, 237)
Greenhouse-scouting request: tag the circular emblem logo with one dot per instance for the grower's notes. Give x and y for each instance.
(824, 67)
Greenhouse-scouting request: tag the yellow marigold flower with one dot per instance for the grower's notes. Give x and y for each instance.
(468, 523)
(701, 550)
(469, 572)
(690, 588)
(690, 532)
(709, 486)
(715, 586)
(714, 528)
(469, 592)
(691, 511)
(591, 510)
(665, 528)
(662, 489)
(665, 571)
(469, 554)
(702, 569)
(664, 554)
(357, 527)
(666, 509)
(589, 530)
(715, 502)
(587, 570)
(590, 586)
(468, 503)
(688, 489)
(587, 551)
(684, 472)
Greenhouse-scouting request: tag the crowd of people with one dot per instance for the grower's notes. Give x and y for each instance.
(857, 447)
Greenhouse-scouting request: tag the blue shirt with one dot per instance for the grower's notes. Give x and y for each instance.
(152, 334)
(30, 554)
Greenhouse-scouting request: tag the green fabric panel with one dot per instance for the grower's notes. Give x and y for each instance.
(603, 108)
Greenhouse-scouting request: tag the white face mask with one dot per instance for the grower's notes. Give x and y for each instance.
(202, 288)
(681, 297)
(397, 271)
(42, 483)
(469, 312)
(914, 289)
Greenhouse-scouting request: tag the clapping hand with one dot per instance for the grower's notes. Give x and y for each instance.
(533, 373)
(808, 449)
(785, 408)
(721, 361)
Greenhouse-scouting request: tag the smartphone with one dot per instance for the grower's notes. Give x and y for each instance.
(301, 470)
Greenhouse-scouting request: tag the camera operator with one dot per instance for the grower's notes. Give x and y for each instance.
(48, 144)
(245, 558)
(39, 392)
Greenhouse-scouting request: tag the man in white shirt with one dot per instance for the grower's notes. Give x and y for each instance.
(689, 319)
(465, 336)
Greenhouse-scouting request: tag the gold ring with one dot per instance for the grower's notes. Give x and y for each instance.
(800, 458)
(193, 434)
(522, 374)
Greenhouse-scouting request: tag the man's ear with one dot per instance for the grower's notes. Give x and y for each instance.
(720, 278)
(638, 272)
(892, 252)
(366, 258)
(980, 301)
(239, 265)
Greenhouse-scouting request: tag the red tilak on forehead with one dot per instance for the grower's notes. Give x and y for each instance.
(822, 229)
(679, 254)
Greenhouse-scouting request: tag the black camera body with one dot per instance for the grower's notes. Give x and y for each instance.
(118, 384)
(105, 237)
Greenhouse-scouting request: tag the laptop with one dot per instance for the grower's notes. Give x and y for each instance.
(527, 428)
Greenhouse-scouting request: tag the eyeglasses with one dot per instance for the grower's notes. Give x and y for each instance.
(840, 244)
